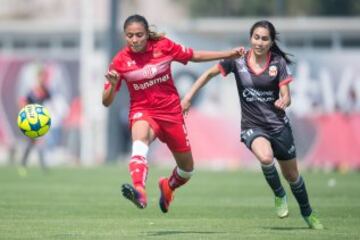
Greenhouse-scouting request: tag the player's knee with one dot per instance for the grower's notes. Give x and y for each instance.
(291, 176)
(266, 158)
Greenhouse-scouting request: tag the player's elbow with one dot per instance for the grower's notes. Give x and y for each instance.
(106, 102)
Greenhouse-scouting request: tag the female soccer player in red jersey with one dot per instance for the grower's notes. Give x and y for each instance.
(155, 111)
(262, 79)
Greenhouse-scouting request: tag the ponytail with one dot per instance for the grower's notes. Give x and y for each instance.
(153, 34)
(275, 48)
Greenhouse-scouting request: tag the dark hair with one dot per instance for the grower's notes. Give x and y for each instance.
(273, 35)
(153, 35)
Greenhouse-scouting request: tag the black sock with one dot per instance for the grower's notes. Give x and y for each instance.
(42, 159)
(25, 157)
(299, 191)
(272, 178)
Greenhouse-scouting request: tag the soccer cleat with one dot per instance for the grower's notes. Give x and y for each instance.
(313, 222)
(166, 195)
(281, 206)
(135, 195)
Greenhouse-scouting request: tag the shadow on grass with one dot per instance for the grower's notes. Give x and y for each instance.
(163, 233)
(286, 228)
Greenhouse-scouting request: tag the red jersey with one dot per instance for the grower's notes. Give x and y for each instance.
(149, 80)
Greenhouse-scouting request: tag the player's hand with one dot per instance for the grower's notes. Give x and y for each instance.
(281, 104)
(185, 105)
(238, 52)
(113, 77)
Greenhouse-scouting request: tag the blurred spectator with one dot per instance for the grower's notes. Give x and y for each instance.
(38, 94)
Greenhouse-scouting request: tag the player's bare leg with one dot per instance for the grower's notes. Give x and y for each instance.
(24, 160)
(261, 147)
(142, 135)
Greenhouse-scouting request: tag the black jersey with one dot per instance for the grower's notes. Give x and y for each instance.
(38, 95)
(259, 91)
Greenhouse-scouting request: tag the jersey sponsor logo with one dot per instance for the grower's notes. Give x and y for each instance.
(273, 71)
(150, 83)
(150, 71)
(252, 95)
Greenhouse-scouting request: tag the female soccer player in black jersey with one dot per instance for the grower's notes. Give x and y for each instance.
(39, 94)
(262, 79)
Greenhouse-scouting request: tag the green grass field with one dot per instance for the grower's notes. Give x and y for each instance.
(80, 203)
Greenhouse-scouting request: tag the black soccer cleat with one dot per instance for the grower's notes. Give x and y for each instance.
(135, 195)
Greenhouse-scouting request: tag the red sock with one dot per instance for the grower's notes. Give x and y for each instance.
(176, 181)
(138, 169)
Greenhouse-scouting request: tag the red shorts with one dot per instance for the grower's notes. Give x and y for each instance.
(174, 134)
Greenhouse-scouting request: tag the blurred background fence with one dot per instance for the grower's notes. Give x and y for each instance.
(74, 40)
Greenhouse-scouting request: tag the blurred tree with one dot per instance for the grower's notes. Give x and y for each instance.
(239, 8)
(339, 7)
(229, 8)
(323, 8)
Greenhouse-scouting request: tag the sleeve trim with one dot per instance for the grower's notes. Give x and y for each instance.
(285, 81)
(222, 70)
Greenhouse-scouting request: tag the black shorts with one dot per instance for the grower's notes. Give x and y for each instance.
(282, 143)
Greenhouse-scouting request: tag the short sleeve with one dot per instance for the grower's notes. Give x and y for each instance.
(285, 75)
(226, 66)
(179, 52)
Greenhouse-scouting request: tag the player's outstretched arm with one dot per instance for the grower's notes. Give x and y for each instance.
(198, 84)
(109, 92)
(203, 56)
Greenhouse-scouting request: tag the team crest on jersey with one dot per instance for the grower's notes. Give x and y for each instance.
(149, 71)
(157, 54)
(130, 63)
(137, 115)
(273, 71)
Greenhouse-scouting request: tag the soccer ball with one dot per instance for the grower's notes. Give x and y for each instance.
(34, 120)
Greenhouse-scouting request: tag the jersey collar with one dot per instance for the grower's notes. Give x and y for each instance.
(268, 57)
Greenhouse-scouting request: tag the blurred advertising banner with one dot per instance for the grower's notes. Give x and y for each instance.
(325, 116)
(325, 112)
(17, 77)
